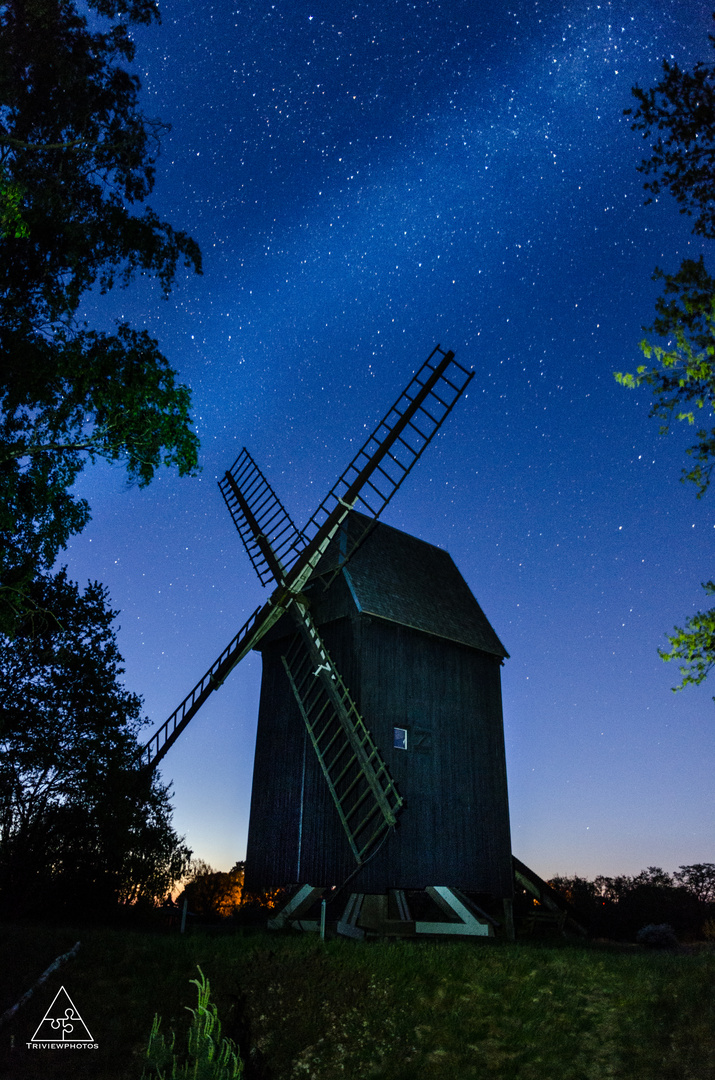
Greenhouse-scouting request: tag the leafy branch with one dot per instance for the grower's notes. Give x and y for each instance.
(694, 645)
(678, 117)
(681, 109)
(77, 155)
(683, 376)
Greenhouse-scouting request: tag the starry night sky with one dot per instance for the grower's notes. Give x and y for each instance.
(365, 180)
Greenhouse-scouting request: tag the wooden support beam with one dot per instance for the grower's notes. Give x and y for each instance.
(467, 924)
(296, 906)
(374, 911)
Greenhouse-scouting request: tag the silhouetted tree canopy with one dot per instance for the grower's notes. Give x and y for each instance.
(677, 118)
(81, 826)
(212, 892)
(618, 907)
(77, 161)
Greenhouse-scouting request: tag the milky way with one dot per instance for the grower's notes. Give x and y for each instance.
(366, 180)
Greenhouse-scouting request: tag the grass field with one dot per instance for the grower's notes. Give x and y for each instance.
(406, 1011)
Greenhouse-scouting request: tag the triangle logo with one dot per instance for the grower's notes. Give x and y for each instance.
(62, 1022)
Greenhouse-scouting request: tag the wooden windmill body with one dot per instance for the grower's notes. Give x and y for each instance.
(423, 666)
(379, 769)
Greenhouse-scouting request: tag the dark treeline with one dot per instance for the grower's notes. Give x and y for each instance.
(85, 832)
(619, 907)
(83, 828)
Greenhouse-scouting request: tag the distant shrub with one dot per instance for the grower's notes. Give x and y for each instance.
(709, 929)
(657, 936)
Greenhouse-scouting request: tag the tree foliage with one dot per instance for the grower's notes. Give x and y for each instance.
(212, 892)
(683, 377)
(694, 645)
(81, 825)
(699, 879)
(677, 118)
(77, 161)
(619, 907)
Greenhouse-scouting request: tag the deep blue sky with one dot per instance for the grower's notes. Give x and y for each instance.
(366, 180)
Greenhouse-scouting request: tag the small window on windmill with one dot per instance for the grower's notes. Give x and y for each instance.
(400, 739)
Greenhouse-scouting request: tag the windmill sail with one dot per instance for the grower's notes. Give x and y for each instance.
(168, 733)
(264, 525)
(274, 544)
(386, 457)
(364, 794)
(280, 551)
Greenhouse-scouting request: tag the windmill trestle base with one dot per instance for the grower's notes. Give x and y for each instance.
(445, 911)
(299, 903)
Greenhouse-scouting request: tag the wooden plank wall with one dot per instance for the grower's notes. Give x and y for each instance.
(454, 829)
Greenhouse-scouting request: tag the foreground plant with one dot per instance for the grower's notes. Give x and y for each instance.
(209, 1055)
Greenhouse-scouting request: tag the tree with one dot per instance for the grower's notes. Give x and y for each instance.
(683, 377)
(681, 110)
(77, 156)
(212, 892)
(620, 906)
(81, 824)
(699, 879)
(678, 116)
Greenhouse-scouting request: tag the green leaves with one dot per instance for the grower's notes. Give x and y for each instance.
(77, 155)
(208, 1056)
(110, 395)
(12, 222)
(679, 114)
(683, 381)
(694, 645)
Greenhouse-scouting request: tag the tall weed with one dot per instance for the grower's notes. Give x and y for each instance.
(208, 1055)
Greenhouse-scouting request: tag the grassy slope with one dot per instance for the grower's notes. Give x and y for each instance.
(403, 1011)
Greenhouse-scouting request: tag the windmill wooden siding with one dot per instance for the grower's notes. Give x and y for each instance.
(417, 653)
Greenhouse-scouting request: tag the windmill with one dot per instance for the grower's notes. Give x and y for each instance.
(326, 804)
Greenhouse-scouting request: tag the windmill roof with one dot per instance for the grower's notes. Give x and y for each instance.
(394, 576)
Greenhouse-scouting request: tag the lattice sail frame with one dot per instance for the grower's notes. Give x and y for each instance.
(266, 528)
(358, 779)
(394, 447)
(391, 451)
